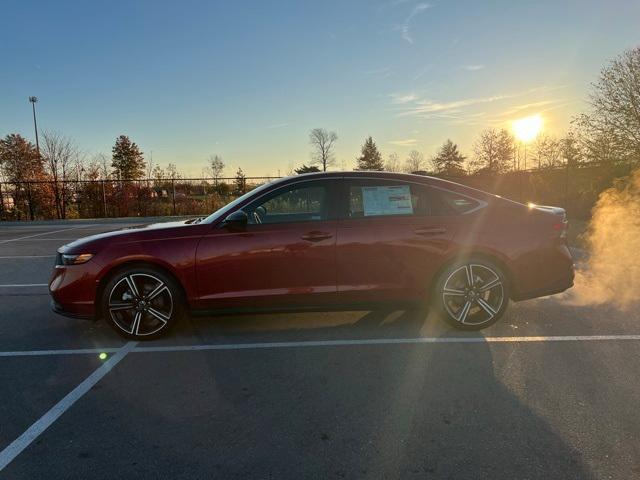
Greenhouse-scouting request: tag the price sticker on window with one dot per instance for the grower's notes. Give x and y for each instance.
(387, 200)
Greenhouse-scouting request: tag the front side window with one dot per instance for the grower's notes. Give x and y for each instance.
(298, 203)
(377, 199)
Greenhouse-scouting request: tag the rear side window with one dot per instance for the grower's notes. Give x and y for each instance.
(451, 203)
(384, 199)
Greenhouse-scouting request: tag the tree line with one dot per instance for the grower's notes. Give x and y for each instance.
(608, 132)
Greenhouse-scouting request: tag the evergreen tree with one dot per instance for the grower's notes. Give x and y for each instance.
(306, 169)
(127, 159)
(240, 181)
(370, 158)
(449, 160)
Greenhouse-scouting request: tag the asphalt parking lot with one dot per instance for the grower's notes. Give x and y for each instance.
(551, 391)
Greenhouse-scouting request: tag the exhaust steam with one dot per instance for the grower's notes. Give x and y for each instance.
(612, 272)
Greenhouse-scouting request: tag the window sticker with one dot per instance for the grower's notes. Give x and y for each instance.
(392, 200)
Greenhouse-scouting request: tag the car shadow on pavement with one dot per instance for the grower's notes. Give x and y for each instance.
(432, 410)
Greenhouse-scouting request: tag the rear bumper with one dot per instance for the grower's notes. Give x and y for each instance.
(546, 271)
(558, 286)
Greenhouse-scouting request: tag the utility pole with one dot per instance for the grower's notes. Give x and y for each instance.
(33, 101)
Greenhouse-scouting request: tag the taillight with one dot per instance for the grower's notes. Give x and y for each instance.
(561, 227)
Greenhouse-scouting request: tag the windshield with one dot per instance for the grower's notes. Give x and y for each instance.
(230, 206)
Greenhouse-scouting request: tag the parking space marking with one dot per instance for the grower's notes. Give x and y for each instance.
(38, 235)
(19, 240)
(25, 256)
(385, 341)
(326, 343)
(76, 351)
(44, 422)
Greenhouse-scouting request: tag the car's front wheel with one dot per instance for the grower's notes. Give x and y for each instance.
(141, 303)
(472, 294)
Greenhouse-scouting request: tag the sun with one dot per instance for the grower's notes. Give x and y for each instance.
(527, 128)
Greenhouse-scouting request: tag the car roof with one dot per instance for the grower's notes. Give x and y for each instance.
(406, 177)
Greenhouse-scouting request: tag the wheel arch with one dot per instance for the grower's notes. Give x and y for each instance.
(482, 254)
(108, 273)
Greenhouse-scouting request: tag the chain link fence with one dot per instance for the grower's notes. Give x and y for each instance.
(576, 188)
(70, 199)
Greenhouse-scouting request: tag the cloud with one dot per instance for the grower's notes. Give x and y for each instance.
(401, 98)
(427, 108)
(383, 72)
(458, 109)
(473, 68)
(393, 3)
(407, 142)
(405, 27)
(526, 106)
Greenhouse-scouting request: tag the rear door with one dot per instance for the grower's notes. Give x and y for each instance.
(389, 244)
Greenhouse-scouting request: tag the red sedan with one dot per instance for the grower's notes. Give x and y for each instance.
(346, 240)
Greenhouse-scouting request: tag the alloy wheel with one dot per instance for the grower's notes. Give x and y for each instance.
(473, 294)
(140, 304)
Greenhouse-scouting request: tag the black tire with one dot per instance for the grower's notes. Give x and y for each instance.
(149, 312)
(476, 285)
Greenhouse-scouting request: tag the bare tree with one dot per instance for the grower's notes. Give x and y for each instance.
(216, 167)
(614, 118)
(546, 151)
(61, 158)
(414, 162)
(493, 151)
(323, 143)
(172, 172)
(149, 165)
(393, 163)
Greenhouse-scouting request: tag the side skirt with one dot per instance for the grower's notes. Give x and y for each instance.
(360, 306)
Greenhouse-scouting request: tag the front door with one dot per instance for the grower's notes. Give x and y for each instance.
(284, 258)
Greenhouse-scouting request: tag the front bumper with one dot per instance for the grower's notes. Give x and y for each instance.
(73, 290)
(57, 308)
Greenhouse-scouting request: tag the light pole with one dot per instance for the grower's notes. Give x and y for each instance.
(33, 101)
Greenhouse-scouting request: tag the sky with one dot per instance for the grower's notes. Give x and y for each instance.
(247, 80)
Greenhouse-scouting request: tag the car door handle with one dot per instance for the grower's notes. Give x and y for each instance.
(316, 236)
(430, 231)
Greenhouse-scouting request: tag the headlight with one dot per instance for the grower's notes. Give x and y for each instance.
(69, 259)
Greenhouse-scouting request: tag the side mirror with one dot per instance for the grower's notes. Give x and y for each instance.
(236, 221)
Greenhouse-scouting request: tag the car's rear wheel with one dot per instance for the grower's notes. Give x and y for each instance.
(142, 303)
(472, 294)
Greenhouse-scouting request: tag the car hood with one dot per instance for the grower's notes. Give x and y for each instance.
(149, 231)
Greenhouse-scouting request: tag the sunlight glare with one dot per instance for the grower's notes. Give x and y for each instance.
(528, 128)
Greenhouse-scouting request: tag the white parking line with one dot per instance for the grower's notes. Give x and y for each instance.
(386, 341)
(76, 351)
(23, 441)
(38, 235)
(327, 343)
(26, 256)
(44, 239)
